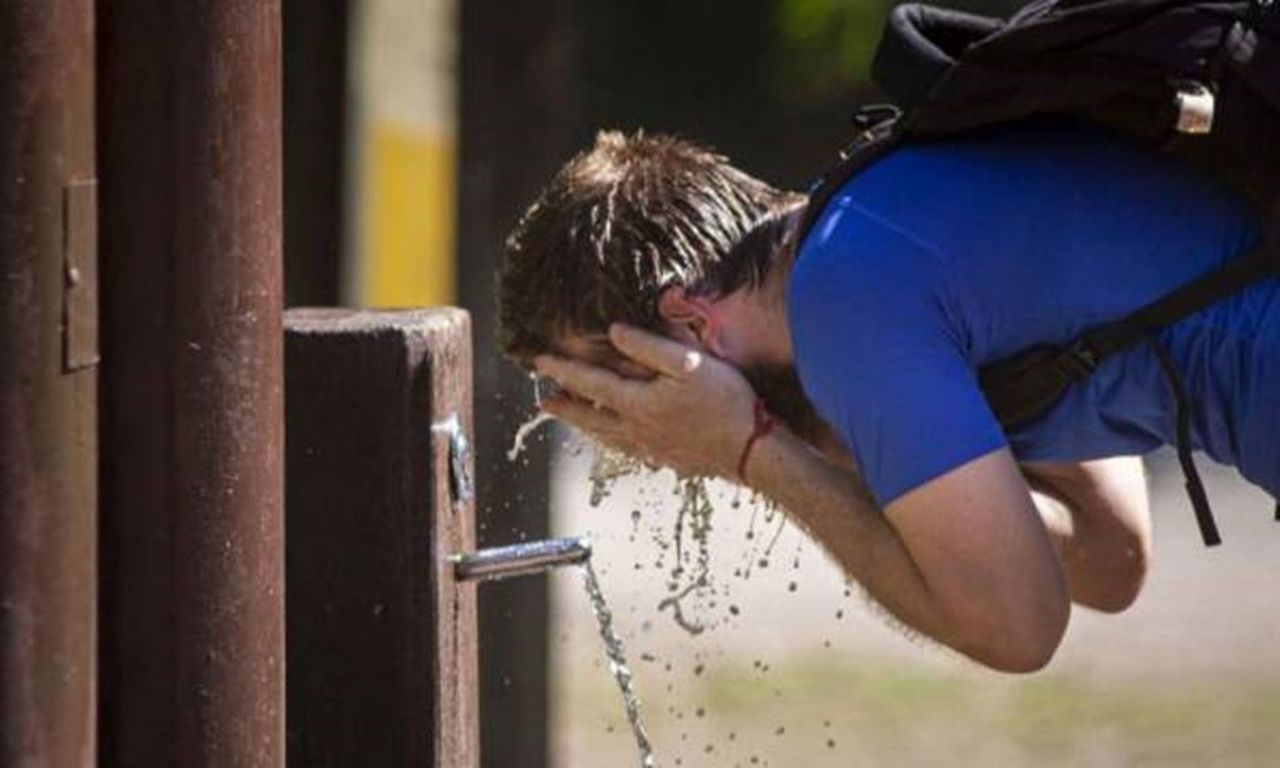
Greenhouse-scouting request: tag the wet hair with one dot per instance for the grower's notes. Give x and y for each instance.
(621, 222)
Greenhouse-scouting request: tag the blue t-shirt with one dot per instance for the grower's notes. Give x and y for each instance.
(948, 255)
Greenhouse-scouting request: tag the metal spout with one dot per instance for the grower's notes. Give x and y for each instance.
(520, 559)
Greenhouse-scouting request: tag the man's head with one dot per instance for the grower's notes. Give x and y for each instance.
(623, 224)
(662, 234)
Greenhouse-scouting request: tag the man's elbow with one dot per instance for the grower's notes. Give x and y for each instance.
(1114, 598)
(1023, 645)
(1114, 585)
(1021, 660)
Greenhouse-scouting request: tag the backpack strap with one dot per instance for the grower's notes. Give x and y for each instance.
(1260, 262)
(1026, 385)
(1182, 427)
(880, 127)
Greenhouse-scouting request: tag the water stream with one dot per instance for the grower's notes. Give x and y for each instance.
(618, 664)
(691, 595)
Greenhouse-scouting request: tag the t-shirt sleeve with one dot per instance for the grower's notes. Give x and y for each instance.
(879, 345)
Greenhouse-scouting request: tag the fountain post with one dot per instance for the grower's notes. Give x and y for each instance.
(381, 637)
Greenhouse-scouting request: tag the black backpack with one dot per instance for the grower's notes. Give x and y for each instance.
(1195, 77)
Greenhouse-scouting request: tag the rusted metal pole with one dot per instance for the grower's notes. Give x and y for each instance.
(48, 384)
(382, 636)
(193, 619)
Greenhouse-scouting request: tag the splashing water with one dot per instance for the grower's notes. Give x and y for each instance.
(609, 467)
(677, 610)
(694, 516)
(691, 591)
(606, 468)
(618, 665)
(522, 434)
(530, 425)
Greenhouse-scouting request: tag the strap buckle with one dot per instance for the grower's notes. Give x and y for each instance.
(871, 116)
(1077, 361)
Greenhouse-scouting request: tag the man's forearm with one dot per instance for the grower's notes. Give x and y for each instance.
(1097, 514)
(830, 504)
(962, 559)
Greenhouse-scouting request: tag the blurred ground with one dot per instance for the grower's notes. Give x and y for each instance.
(804, 674)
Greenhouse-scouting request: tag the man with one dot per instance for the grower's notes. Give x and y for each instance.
(663, 289)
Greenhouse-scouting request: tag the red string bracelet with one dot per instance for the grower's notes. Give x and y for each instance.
(762, 426)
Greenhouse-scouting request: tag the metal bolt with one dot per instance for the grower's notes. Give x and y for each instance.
(73, 276)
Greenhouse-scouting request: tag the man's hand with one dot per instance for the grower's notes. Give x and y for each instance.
(694, 415)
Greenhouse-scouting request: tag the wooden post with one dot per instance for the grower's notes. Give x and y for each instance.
(48, 384)
(381, 640)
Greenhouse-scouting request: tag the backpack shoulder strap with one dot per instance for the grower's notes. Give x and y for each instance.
(1260, 262)
(1024, 386)
(880, 129)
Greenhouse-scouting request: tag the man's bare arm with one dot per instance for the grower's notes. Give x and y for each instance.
(962, 571)
(964, 558)
(1097, 514)
(1100, 519)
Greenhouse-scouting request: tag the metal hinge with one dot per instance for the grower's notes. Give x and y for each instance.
(80, 275)
(461, 485)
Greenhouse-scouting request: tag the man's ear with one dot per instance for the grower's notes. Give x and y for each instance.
(691, 319)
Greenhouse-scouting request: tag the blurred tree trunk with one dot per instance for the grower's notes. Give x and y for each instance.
(519, 120)
(315, 118)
